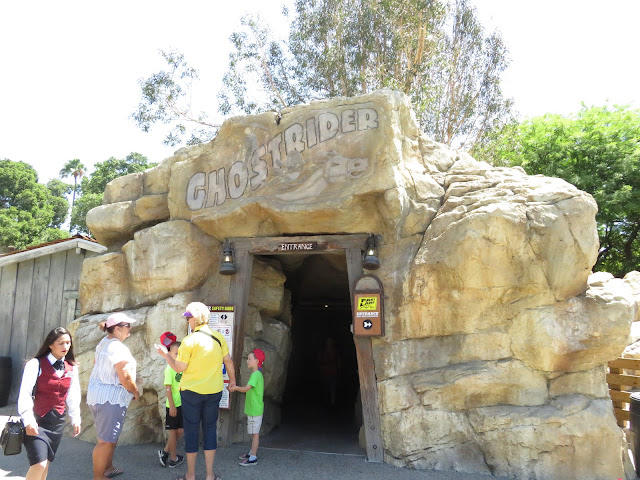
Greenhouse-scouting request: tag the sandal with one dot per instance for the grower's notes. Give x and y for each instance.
(114, 473)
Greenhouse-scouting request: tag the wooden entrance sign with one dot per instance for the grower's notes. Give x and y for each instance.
(368, 312)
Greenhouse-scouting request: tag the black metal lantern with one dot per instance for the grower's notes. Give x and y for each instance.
(227, 261)
(370, 260)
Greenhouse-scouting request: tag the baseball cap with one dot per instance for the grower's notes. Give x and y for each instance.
(259, 356)
(187, 314)
(118, 317)
(167, 338)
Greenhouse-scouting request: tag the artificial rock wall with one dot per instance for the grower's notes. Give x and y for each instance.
(496, 338)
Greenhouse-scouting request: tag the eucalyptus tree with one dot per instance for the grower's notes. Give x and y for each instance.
(435, 51)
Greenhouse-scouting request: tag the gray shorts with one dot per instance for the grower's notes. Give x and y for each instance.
(109, 420)
(254, 424)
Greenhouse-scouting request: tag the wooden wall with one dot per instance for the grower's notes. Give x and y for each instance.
(36, 295)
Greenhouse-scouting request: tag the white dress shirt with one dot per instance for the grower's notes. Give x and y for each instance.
(29, 377)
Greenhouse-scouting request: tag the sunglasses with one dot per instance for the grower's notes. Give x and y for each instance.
(128, 325)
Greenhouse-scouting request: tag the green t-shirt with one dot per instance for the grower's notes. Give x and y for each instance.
(171, 377)
(254, 404)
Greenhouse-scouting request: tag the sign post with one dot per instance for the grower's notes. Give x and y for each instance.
(368, 311)
(221, 319)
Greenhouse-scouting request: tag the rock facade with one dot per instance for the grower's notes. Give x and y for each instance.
(496, 338)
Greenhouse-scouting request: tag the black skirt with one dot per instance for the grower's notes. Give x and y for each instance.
(45, 445)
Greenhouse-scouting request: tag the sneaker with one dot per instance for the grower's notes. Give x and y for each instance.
(174, 463)
(246, 462)
(244, 457)
(163, 457)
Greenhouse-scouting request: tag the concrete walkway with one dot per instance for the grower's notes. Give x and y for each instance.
(140, 462)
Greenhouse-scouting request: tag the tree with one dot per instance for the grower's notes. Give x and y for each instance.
(31, 213)
(435, 51)
(92, 187)
(166, 98)
(73, 168)
(597, 150)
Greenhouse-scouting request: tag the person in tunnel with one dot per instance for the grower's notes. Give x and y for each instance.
(329, 364)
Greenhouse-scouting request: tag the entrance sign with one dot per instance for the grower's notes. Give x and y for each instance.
(368, 319)
(221, 319)
(291, 247)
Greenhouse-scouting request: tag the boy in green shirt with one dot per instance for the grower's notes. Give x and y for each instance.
(254, 404)
(173, 420)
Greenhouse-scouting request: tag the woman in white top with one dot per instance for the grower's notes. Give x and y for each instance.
(52, 375)
(112, 386)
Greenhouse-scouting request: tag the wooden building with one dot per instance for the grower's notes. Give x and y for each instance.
(38, 292)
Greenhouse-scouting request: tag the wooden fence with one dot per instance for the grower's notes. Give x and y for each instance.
(623, 379)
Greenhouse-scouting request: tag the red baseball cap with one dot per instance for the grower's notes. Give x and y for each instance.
(259, 356)
(167, 338)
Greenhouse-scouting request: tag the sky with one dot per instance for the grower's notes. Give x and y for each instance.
(69, 79)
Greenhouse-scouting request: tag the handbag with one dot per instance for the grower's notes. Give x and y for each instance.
(13, 433)
(12, 437)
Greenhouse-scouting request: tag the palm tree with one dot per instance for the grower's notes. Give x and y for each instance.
(73, 168)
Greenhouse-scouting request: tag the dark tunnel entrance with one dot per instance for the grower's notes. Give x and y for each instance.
(321, 410)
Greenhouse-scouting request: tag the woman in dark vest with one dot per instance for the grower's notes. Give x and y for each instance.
(54, 374)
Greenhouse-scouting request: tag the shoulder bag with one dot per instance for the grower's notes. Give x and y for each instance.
(12, 437)
(13, 432)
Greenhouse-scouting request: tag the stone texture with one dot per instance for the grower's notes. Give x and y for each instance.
(105, 284)
(577, 334)
(152, 208)
(123, 189)
(573, 437)
(496, 334)
(172, 257)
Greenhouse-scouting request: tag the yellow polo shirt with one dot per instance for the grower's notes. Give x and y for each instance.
(203, 357)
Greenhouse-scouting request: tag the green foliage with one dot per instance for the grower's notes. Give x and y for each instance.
(597, 150)
(73, 168)
(166, 99)
(31, 213)
(79, 214)
(92, 187)
(113, 168)
(59, 191)
(435, 51)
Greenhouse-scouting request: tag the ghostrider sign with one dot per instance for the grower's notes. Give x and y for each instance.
(279, 161)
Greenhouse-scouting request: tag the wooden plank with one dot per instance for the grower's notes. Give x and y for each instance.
(52, 250)
(20, 329)
(614, 379)
(8, 281)
(617, 404)
(239, 287)
(630, 363)
(621, 415)
(72, 272)
(324, 243)
(55, 291)
(366, 371)
(38, 305)
(617, 396)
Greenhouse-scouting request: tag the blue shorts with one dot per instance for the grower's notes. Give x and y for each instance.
(197, 409)
(109, 420)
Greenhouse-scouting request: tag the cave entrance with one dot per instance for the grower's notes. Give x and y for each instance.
(321, 410)
(321, 273)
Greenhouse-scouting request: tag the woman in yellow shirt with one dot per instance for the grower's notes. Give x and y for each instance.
(200, 358)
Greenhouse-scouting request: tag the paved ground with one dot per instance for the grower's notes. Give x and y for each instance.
(140, 462)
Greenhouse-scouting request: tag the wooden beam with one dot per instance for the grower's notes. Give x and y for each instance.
(621, 415)
(239, 296)
(366, 372)
(52, 249)
(324, 243)
(614, 379)
(618, 396)
(630, 363)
